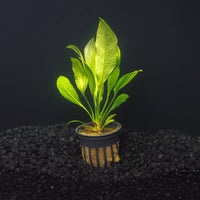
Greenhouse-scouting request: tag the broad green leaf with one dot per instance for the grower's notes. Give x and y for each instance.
(106, 51)
(112, 79)
(67, 90)
(79, 75)
(101, 94)
(76, 49)
(91, 80)
(109, 119)
(89, 53)
(118, 101)
(118, 57)
(124, 80)
(99, 64)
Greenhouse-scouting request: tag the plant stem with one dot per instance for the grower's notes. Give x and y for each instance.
(86, 110)
(92, 118)
(105, 103)
(107, 109)
(97, 102)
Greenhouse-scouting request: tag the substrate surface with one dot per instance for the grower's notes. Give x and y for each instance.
(44, 163)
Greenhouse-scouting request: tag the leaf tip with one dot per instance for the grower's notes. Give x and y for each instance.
(59, 78)
(102, 20)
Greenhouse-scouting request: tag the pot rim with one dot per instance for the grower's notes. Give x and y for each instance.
(97, 136)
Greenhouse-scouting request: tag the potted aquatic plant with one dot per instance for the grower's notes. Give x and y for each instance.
(98, 69)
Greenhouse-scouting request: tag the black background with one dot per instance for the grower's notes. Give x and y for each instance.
(160, 37)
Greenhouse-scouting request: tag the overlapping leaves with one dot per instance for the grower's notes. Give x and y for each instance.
(99, 66)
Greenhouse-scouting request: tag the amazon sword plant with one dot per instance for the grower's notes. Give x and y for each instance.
(98, 67)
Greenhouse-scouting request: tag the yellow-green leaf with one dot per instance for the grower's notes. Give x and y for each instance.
(101, 93)
(89, 53)
(124, 80)
(76, 49)
(109, 119)
(106, 51)
(67, 90)
(79, 75)
(118, 101)
(91, 80)
(112, 79)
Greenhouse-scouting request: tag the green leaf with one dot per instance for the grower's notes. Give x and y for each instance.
(124, 80)
(91, 80)
(67, 90)
(101, 93)
(106, 51)
(76, 49)
(109, 119)
(112, 79)
(78, 121)
(118, 57)
(118, 101)
(89, 53)
(79, 75)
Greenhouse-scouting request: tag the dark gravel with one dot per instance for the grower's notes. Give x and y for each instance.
(44, 163)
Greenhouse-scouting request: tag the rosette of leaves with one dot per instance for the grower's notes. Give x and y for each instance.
(96, 69)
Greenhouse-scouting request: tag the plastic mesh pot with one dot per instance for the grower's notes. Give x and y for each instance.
(101, 150)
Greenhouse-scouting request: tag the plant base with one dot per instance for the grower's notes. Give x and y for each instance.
(102, 150)
(102, 156)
